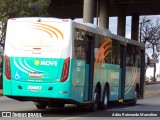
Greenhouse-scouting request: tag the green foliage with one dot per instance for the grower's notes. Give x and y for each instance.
(21, 8)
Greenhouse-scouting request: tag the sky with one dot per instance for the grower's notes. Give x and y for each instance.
(113, 29)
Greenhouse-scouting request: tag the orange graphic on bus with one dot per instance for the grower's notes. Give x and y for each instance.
(50, 30)
(103, 52)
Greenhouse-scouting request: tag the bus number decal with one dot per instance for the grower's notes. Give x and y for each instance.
(34, 88)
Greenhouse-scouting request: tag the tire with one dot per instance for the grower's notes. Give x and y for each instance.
(60, 105)
(105, 99)
(96, 100)
(41, 106)
(134, 101)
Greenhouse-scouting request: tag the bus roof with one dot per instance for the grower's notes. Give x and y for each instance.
(85, 26)
(102, 31)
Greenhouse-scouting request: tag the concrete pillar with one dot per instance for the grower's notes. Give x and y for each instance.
(121, 20)
(88, 11)
(104, 13)
(135, 27)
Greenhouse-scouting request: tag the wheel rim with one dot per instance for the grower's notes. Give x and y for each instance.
(135, 95)
(95, 95)
(105, 99)
(95, 99)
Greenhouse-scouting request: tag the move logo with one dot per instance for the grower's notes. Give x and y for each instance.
(36, 62)
(45, 63)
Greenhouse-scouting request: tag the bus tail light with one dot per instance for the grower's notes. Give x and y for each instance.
(7, 68)
(65, 70)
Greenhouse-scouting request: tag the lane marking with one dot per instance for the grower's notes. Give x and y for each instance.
(131, 107)
(68, 118)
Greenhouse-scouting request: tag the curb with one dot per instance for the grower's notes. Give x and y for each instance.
(150, 83)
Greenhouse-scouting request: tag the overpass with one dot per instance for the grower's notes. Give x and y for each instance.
(103, 9)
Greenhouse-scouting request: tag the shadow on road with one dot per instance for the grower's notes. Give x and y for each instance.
(74, 111)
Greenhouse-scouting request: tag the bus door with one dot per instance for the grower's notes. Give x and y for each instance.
(89, 72)
(122, 72)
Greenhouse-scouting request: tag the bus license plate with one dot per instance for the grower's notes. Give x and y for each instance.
(35, 74)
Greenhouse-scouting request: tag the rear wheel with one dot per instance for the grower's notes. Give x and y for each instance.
(134, 101)
(96, 100)
(60, 105)
(56, 105)
(41, 106)
(104, 103)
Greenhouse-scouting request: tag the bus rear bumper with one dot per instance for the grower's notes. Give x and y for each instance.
(44, 100)
(40, 90)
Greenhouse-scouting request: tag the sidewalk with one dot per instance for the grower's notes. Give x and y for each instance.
(148, 83)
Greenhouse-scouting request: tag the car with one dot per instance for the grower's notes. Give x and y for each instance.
(158, 77)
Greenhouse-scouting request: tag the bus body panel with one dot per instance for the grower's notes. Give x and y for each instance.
(7, 87)
(36, 69)
(40, 51)
(40, 88)
(108, 73)
(78, 79)
(86, 82)
(132, 77)
(37, 52)
(35, 89)
(114, 77)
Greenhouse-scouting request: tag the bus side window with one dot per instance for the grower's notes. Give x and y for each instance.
(88, 50)
(130, 55)
(138, 57)
(80, 45)
(115, 52)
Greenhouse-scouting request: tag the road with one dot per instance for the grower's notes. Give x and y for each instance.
(150, 103)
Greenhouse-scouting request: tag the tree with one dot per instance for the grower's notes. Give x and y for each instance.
(150, 34)
(20, 8)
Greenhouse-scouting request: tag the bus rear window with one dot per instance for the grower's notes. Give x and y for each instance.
(21, 34)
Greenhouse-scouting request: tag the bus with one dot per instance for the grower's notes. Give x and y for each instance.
(54, 62)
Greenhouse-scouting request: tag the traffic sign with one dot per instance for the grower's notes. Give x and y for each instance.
(154, 61)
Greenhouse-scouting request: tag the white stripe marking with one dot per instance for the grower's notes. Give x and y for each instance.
(31, 67)
(19, 67)
(68, 118)
(25, 67)
(131, 107)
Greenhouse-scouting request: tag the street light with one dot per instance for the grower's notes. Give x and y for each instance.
(141, 27)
